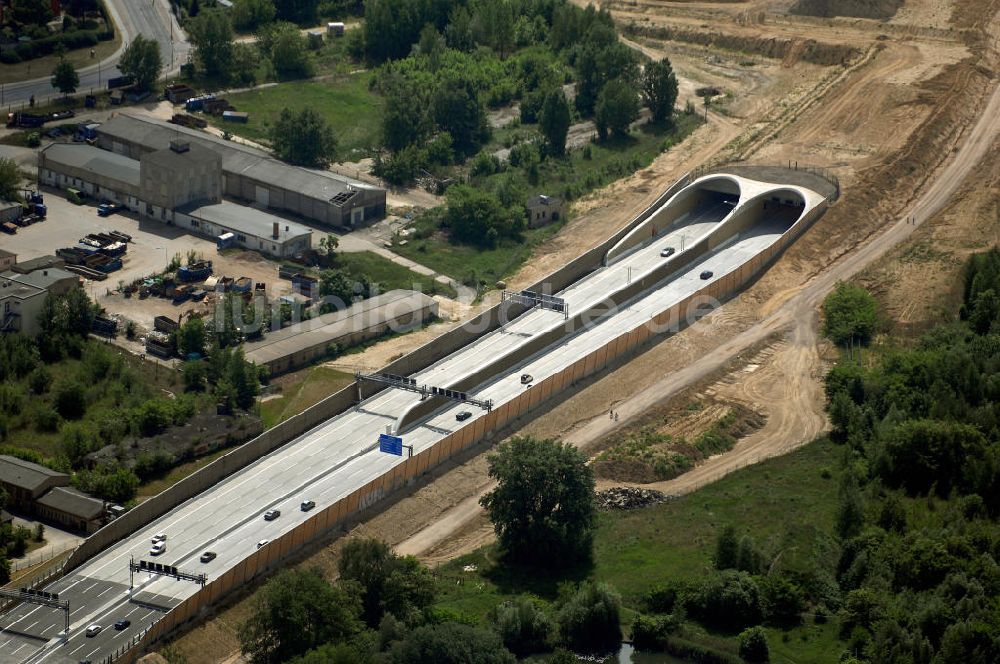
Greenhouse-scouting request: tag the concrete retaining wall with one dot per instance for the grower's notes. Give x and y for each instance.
(377, 491)
(340, 401)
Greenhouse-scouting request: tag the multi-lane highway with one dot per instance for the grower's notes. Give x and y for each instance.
(337, 457)
(150, 18)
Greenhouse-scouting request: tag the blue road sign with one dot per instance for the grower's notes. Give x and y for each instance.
(390, 444)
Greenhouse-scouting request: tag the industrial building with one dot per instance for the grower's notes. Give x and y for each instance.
(299, 344)
(7, 260)
(180, 185)
(22, 296)
(251, 175)
(20, 305)
(25, 482)
(71, 509)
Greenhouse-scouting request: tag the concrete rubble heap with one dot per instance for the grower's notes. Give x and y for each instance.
(628, 498)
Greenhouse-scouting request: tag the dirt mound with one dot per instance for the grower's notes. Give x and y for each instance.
(877, 9)
(628, 498)
(779, 48)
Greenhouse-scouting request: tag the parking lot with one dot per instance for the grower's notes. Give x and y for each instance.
(152, 246)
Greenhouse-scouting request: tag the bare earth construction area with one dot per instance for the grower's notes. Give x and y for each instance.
(900, 104)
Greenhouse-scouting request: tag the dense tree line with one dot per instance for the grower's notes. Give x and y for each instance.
(921, 496)
(69, 396)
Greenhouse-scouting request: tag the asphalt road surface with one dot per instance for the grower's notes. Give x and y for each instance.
(333, 459)
(150, 18)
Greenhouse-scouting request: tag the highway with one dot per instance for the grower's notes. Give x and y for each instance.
(149, 18)
(335, 458)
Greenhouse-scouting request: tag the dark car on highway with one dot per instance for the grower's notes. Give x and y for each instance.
(707, 274)
(666, 253)
(208, 556)
(122, 624)
(463, 415)
(271, 515)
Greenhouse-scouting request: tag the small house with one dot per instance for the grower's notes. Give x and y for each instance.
(544, 210)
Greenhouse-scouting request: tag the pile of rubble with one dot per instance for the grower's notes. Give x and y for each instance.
(628, 498)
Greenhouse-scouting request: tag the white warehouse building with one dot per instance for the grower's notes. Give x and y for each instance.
(180, 185)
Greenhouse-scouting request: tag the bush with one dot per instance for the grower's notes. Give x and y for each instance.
(651, 632)
(753, 646)
(33, 140)
(782, 600)
(590, 621)
(524, 627)
(152, 417)
(46, 419)
(40, 380)
(70, 400)
(727, 600)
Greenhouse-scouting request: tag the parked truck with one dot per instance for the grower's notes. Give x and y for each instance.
(25, 120)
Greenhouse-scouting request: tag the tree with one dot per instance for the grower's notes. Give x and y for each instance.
(294, 612)
(337, 289)
(659, 90)
(287, 50)
(617, 107)
(920, 454)
(141, 62)
(450, 643)
(476, 216)
(554, 121)
(302, 12)
(31, 12)
(249, 15)
(850, 314)
(212, 36)
(523, 626)
(543, 506)
(191, 337)
(328, 245)
(726, 549)
(850, 510)
(753, 646)
(243, 68)
(10, 180)
(404, 119)
(391, 584)
(194, 373)
(70, 400)
(303, 138)
(64, 77)
(458, 111)
(334, 653)
(728, 600)
(590, 621)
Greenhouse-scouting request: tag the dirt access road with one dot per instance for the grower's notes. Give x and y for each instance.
(792, 378)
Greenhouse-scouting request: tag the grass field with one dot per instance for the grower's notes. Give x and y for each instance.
(79, 58)
(300, 390)
(391, 275)
(470, 264)
(788, 503)
(351, 109)
(582, 171)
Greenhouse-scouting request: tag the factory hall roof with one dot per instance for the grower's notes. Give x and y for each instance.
(95, 160)
(237, 159)
(247, 220)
